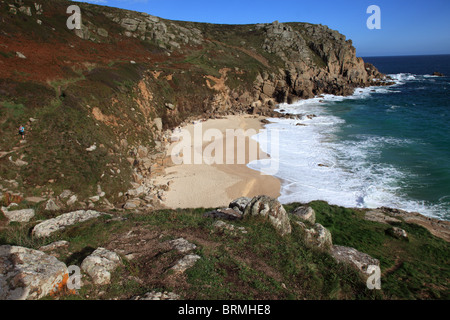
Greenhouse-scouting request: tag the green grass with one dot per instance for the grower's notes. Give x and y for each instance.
(15, 111)
(260, 264)
(63, 83)
(419, 266)
(56, 142)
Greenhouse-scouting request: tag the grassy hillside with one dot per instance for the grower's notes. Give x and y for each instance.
(91, 99)
(258, 264)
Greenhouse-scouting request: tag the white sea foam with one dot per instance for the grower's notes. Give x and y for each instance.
(392, 108)
(402, 78)
(315, 165)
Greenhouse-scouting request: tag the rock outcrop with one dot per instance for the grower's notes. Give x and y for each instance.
(305, 213)
(272, 210)
(27, 274)
(54, 246)
(185, 263)
(379, 216)
(154, 295)
(22, 215)
(439, 228)
(397, 233)
(52, 206)
(224, 213)
(318, 236)
(46, 228)
(182, 245)
(100, 264)
(229, 228)
(359, 260)
(240, 204)
(317, 60)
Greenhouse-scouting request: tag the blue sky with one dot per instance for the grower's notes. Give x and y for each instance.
(408, 27)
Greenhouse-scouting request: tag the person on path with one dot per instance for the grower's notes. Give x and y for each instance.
(22, 132)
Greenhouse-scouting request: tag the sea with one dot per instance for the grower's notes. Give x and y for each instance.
(383, 146)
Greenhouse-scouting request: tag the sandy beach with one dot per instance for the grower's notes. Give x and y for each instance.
(213, 185)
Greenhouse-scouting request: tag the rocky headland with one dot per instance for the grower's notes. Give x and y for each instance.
(99, 103)
(84, 188)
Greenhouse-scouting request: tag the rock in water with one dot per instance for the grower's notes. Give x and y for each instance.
(272, 210)
(27, 274)
(438, 74)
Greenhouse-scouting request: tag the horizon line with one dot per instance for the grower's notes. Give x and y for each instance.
(407, 55)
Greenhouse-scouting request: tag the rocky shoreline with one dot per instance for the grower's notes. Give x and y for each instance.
(146, 196)
(153, 92)
(90, 196)
(439, 228)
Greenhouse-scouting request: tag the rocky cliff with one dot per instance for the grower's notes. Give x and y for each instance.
(98, 104)
(97, 101)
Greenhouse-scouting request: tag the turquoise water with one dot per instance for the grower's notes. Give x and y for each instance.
(381, 147)
(415, 121)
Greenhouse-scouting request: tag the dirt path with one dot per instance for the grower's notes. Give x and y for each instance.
(398, 263)
(15, 149)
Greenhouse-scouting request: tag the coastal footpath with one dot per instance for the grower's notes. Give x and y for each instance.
(92, 187)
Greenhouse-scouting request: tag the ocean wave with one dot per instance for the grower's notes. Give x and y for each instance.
(321, 167)
(359, 93)
(314, 164)
(393, 108)
(402, 78)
